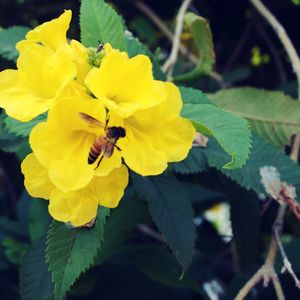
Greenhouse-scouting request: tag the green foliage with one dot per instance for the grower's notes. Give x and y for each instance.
(273, 115)
(99, 22)
(35, 279)
(231, 132)
(71, 251)
(38, 219)
(194, 163)
(171, 211)
(262, 154)
(8, 40)
(202, 36)
(193, 96)
(158, 264)
(14, 250)
(130, 212)
(22, 128)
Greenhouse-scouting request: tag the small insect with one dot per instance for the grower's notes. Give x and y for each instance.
(104, 144)
(100, 47)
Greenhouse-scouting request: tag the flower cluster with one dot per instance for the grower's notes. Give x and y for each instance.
(106, 113)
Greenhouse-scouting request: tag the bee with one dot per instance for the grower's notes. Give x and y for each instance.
(104, 144)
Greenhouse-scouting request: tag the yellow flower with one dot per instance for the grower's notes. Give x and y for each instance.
(80, 206)
(154, 137)
(125, 85)
(52, 34)
(45, 67)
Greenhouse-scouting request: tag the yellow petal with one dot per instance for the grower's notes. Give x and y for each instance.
(78, 207)
(62, 144)
(51, 34)
(157, 135)
(125, 85)
(140, 153)
(81, 60)
(18, 99)
(110, 189)
(41, 77)
(36, 181)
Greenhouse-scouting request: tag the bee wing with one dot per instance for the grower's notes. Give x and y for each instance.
(109, 149)
(90, 120)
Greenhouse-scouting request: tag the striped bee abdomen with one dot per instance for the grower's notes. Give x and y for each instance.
(96, 149)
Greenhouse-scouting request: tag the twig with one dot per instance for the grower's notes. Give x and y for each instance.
(168, 33)
(282, 35)
(170, 62)
(287, 266)
(267, 271)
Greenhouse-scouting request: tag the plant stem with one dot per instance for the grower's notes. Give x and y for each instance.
(170, 62)
(283, 37)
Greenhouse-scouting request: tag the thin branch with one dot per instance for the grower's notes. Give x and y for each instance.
(287, 266)
(283, 37)
(168, 33)
(170, 62)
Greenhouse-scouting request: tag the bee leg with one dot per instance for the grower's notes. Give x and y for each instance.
(118, 148)
(98, 164)
(107, 117)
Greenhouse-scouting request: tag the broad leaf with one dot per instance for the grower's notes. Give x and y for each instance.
(273, 115)
(38, 218)
(158, 264)
(71, 251)
(99, 22)
(129, 213)
(171, 211)
(8, 40)
(22, 128)
(193, 96)
(35, 279)
(194, 163)
(262, 154)
(202, 36)
(231, 132)
(135, 47)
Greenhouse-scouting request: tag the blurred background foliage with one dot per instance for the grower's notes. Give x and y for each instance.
(247, 54)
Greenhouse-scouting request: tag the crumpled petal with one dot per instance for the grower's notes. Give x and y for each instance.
(80, 207)
(41, 76)
(62, 144)
(125, 85)
(158, 135)
(36, 181)
(51, 34)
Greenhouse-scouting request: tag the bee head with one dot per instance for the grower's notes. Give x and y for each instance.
(117, 132)
(122, 132)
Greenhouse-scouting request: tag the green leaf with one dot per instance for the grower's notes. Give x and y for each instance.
(194, 163)
(71, 251)
(262, 154)
(193, 96)
(158, 264)
(22, 128)
(273, 115)
(202, 36)
(129, 213)
(8, 40)
(35, 279)
(38, 219)
(135, 47)
(231, 132)
(99, 22)
(171, 211)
